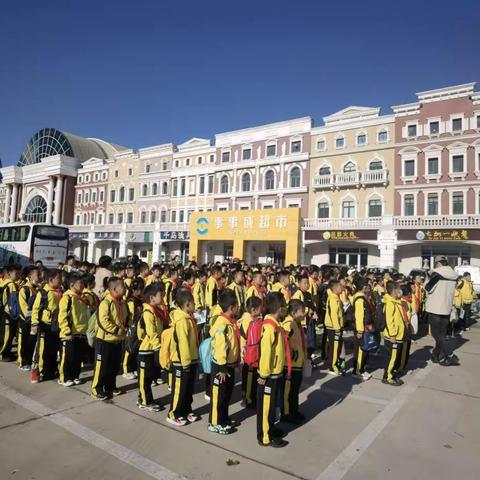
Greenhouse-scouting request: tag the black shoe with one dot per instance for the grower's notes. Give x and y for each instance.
(277, 433)
(8, 358)
(291, 419)
(274, 443)
(301, 416)
(451, 361)
(394, 382)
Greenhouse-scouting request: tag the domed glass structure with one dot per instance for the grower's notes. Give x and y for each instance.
(36, 210)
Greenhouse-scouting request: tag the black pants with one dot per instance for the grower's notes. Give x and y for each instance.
(26, 343)
(438, 328)
(145, 377)
(129, 356)
(47, 350)
(249, 385)
(71, 356)
(467, 313)
(8, 328)
(266, 403)
(405, 353)
(360, 357)
(107, 363)
(292, 391)
(221, 395)
(183, 382)
(394, 351)
(334, 348)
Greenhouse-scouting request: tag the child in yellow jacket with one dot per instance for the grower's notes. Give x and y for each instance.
(334, 325)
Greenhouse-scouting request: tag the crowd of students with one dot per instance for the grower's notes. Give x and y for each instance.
(161, 324)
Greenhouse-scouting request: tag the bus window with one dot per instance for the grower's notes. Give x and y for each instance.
(51, 232)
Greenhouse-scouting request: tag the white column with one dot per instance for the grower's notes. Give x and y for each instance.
(387, 244)
(91, 246)
(6, 213)
(123, 250)
(58, 200)
(13, 210)
(51, 186)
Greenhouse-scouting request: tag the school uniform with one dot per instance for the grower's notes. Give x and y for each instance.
(73, 322)
(468, 297)
(45, 317)
(168, 298)
(363, 312)
(407, 310)
(211, 293)
(240, 293)
(184, 360)
(198, 292)
(334, 325)
(131, 342)
(249, 374)
(26, 342)
(394, 331)
(8, 323)
(285, 291)
(255, 291)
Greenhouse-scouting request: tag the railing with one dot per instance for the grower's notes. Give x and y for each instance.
(369, 177)
(350, 178)
(374, 177)
(322, 181)
(343, 223)
(132, 227)
(438, 221)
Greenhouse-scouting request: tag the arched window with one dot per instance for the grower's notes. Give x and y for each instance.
(85, 219)
(36, 210)
(87, 197)
(122, 195)
(143, 217)
(349, 167)
(323, 210)
(376, 165)
(270, 180)
(155, 189)
(163, 216)
(224, 184)
(153, 216)
(325, 171)
(375, 208)
(246, 182)
(120, 218)
(295, 177)
(144, 190)
(164, 188)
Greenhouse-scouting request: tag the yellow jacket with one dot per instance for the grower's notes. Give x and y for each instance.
(47, 311)
(184, 339)
(211, 292)
(168, 298)
(239, 293)
(457, 299)
(334, 312)
(198, 292)
(360, 304)
(468, 295)
(9, 286)
(149, 329)
(225, 342)
(72, 315)
(272, 350)
(27, 291)
(313, 290)
(278, 287)
(395, 327)
(243, 325)
(296, 342)
(252, 291)
(111, 317)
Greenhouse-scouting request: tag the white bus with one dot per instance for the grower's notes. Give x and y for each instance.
(26, 243)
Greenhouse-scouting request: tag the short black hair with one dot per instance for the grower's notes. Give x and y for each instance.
(14, 268)
(182, 297)
(295, 305)
(113, 282)
(137, 284)
(253, 303)
(89, 279)
(143, 267)
(361, 283)
(188, 274)
(274, 301)
(105, 261)
(391, 286)
(333, 283)
(227, 299)
(74, 278)
(216, 269)
(152, 290)
(52, 273)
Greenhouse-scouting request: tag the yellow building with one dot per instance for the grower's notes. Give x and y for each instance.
(258, 236)
(351, 167)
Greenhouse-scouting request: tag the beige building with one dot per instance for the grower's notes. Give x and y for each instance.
(350, 204)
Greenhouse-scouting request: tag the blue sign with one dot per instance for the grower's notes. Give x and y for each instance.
(78, 235)
(202, 224)
(107, 235)
(170, 235)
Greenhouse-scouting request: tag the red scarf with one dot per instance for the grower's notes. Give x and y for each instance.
(161, 312)
(406, 320)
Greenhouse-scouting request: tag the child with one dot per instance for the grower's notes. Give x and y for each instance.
(226, 356)
(468, 297)
(334, 326)
(73, 323)
(112, 326)
(149, 331)
(273, 345)
(283, 285)
(184, 357)
(308, 324)
(249, 374)
(258, 286)
(296, 339)
(199, 291)
(170, 284)
(408, 308)
(212, 287)
(238, 286)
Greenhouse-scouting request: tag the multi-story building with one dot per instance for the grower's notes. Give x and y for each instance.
(437, 177)
(350, 203)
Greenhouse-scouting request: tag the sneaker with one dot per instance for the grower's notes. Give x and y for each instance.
(274, 443)
(231, 423)
(334, 373)
(152, 407)
(77, 381)
(117, 391)
(394, 382)
(129, 376)
(191, 417)
(220, 429)
(25, 368)
(169, 388)
(178, 422)
(466, 329)
(206, 397)
(68, 383)
(160, 381)
(100, 396)
(450, 361)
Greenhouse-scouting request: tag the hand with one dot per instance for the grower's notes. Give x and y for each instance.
(33, 330)
(359, 335)
(68, 338)
(121, 332)
(222, 377)
(393, 340)
(261, 381)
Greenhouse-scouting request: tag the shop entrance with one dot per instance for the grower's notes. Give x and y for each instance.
(455, 255)
(215, 251)
(265, 253)
(353, 257)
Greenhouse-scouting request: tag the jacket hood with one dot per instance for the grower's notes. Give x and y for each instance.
(447, 272)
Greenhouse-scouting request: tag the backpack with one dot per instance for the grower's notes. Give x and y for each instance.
(380, 321)
(92, 329)
(13, 305)
(205, 354)
(165, 354)
(252, 348)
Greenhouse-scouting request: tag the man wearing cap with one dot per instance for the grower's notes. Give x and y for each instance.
(440, 289)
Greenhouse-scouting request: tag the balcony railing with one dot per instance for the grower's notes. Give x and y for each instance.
(344, 223)
(132, 227)
(438, 221)
(349, 179)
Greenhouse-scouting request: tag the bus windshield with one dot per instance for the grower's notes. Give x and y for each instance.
(57, 233)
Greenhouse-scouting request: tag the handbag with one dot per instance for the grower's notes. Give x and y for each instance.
(453, 315)
(371, 341)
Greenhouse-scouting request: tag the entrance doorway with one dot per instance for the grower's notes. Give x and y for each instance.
(353, 257)
(455, 255)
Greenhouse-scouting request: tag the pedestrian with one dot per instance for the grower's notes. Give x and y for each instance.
(334, 325)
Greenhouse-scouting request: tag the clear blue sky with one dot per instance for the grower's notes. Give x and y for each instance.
(141, 73)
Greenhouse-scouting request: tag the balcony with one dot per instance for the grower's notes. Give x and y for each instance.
(350, 179)
(132, 227)
(438, 221)
(344, 223)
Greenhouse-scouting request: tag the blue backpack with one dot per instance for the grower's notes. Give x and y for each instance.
(13, 306)
(206, 355)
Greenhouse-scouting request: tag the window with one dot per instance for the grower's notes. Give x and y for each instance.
(183, 183)
(323, 210)
(181, 216)
(339, 142)
(111, 218)
(270, 180)
(296, 146)
(412, 130)
(320, 145)
(200, 160)
(374, 208)
(432, 166)
(130, 172)
(147, 168)
(409, 206)
(361, 139)
(382, 136)
(246, 182)
(104, 175)
(432, 204)
(163, 216)
(177, 163)
(94, 197)
(87, 198)
(191, 186)
(295, 177)
(96, 177)
(348, 209)
(144, 190)
(224, 184)
(164, 188)
(457, 164)
(247, 154)
(77, 220)
(155, 189)
(174, 216)
(115, 174)
(175, 188)
(120, 218)
(100, 219)
(87, 178)
(131, 194)
(80, 179)
(212, 158)
(434, 128)
(210, 184)
(202, 186)
(130, 217)
(143, 217)
(121, 194)
(272, 150)
(376, 165)
(456, 124)
(79, 198)
(349, 167)
(457, 204)
(187, 162)
(409, 168)
(324, 171)
(225, 157)
(164, 166)
(153, 216)
(101, 196)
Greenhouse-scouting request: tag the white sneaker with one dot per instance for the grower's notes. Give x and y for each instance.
(366, 376)
(129, 376)
(334, 373)
(68, 383)
(77, 381)
(206, 397)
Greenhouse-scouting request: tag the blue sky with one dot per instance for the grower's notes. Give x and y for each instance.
(141, 73)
